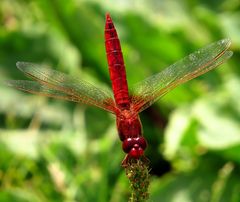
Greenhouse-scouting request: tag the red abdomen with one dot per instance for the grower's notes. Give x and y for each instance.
(116, 65)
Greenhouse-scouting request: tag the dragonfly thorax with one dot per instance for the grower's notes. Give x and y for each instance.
(129, 125)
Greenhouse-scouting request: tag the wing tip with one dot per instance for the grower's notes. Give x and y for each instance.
(227, 42)
(10, 83)
(230, 53)
(20, 64)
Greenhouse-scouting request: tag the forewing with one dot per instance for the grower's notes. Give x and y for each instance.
(145, 93)
(52, 83)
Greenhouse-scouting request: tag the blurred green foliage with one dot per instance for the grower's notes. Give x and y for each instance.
(57, 151)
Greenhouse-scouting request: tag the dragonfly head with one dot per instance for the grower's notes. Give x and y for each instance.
(134, 146)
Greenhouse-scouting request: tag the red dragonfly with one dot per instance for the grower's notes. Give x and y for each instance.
(125, 104)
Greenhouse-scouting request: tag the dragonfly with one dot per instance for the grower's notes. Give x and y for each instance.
(125, 103)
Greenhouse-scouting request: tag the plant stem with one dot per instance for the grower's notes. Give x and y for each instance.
(137, 172)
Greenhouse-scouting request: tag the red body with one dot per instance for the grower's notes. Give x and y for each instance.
(128, 122)
(56, 84)
(116, 65)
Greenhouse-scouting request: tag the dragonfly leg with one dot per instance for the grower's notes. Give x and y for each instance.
(125, 161)
(128, 160)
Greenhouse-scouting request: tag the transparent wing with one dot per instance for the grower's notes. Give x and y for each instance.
(36, 88)
(146, 92)
(55, 84)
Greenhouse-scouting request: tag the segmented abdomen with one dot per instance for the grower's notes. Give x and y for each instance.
(116, 65)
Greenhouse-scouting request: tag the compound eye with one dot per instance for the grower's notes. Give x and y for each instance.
(142, 142)
(127, 145)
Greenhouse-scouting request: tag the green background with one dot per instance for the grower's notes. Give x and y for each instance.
(52, 150)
